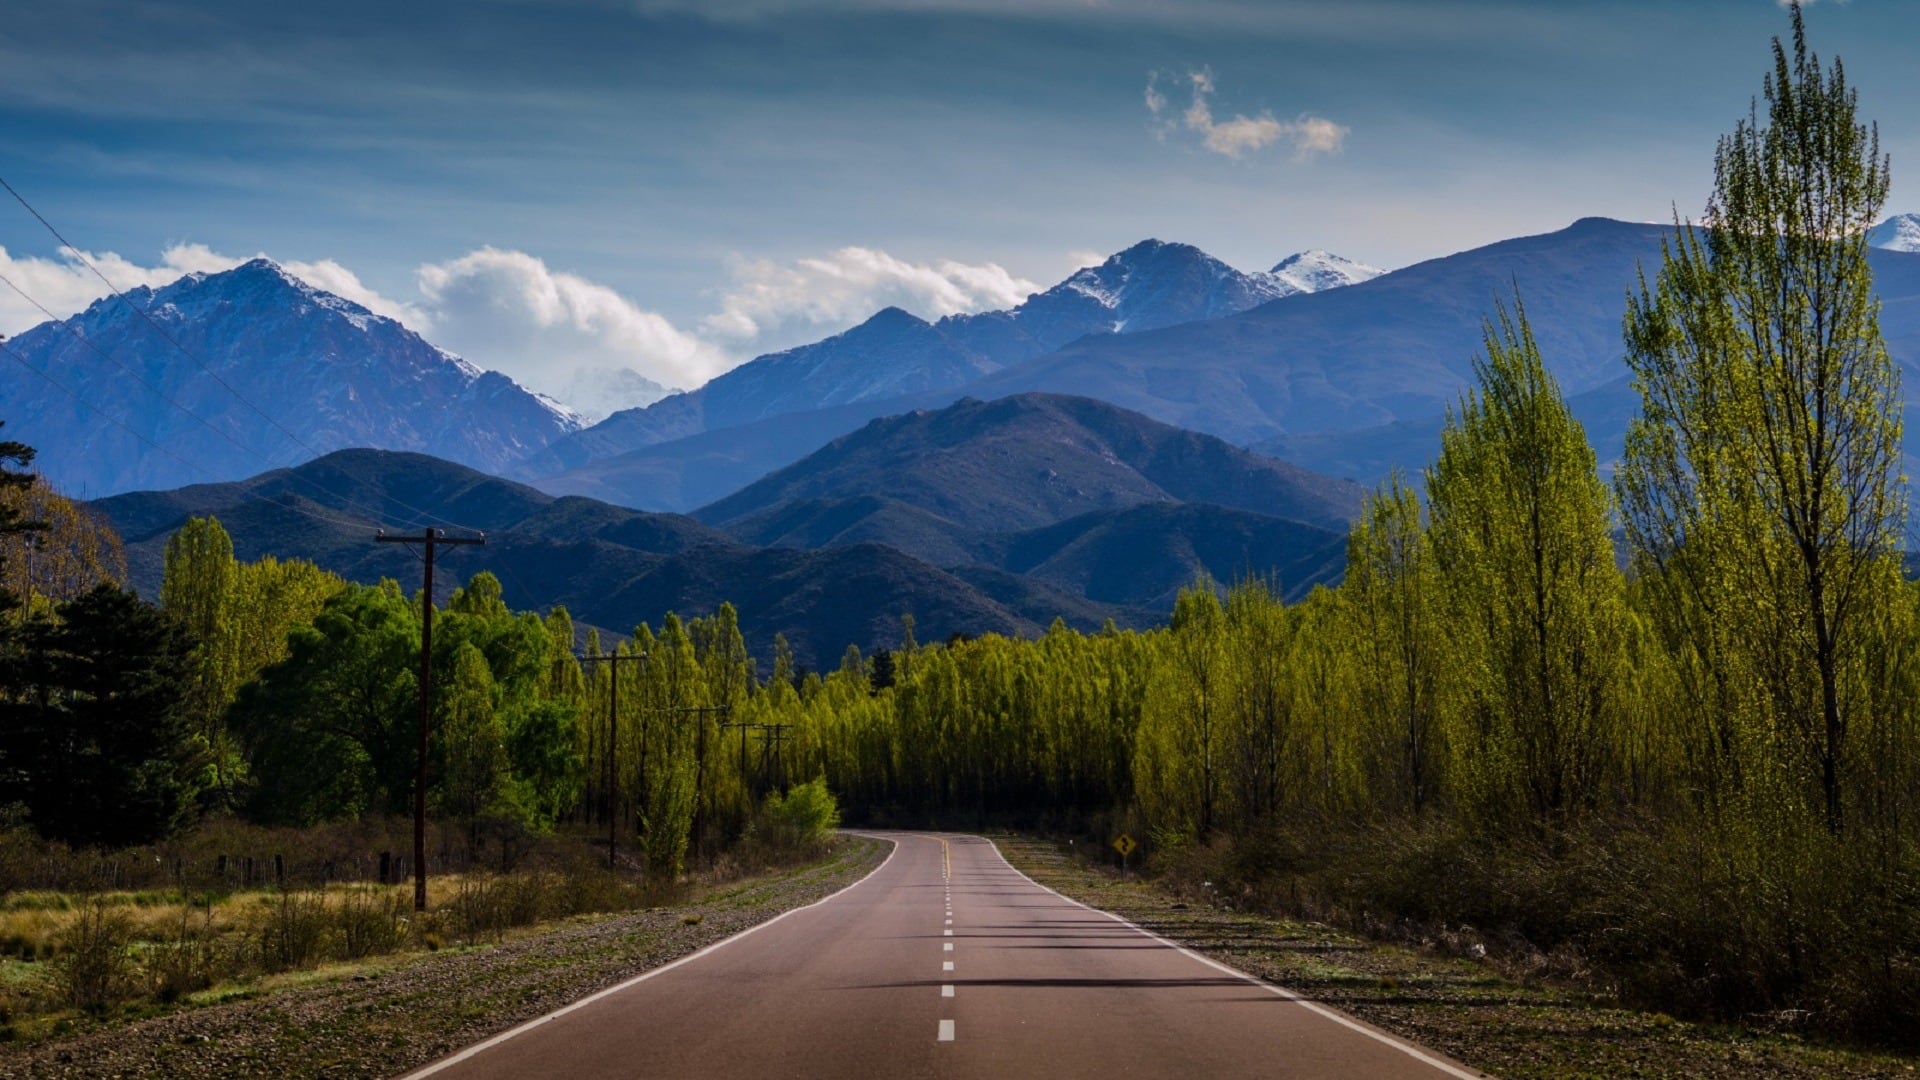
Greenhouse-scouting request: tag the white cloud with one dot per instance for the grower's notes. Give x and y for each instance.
(1242, 134)
(772, 304)
(510, 311)
(340, 281)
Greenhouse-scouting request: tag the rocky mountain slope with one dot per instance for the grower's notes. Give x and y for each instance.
(290, 370)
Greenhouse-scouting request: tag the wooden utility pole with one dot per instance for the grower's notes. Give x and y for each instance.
(613, 733)
(428, 539)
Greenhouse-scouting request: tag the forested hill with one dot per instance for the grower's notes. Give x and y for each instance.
(611, 567)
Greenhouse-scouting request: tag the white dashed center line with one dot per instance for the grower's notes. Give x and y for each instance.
(946, 1031)
(948, 966)
(948, 947)
(946, 990)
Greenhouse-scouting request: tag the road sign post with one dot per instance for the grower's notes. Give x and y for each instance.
(1125, 845)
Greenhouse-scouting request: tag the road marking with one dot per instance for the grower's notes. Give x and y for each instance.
(947, 933)
(949, 922)
(1404, 1047)
(448, 1062)
(948, 947)
(946, 990)
(946, 1031)
(948, 966)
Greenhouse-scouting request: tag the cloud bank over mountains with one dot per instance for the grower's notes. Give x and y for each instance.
(575, 340)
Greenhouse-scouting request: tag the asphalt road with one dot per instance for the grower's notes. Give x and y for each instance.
(944, 962)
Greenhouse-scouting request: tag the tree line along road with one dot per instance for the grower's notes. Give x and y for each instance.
(944, 962)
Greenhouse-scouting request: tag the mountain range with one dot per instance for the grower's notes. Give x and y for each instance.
(895, 354)
(1083, 455)
(1351, 381)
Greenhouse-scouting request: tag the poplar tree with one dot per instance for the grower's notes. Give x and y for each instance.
(1520, 535)
(1760, 484)
(1393, 598)
(200, 587)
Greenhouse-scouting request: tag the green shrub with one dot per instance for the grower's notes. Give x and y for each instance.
(799, 822)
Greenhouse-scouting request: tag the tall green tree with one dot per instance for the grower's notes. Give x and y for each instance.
(329, 731)
(1760, 486)
(1519, 529)
(476, 779)
(200, 586)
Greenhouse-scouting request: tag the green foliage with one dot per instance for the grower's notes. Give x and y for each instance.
(329, 731)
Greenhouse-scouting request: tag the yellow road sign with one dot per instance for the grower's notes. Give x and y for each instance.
(1124, 844)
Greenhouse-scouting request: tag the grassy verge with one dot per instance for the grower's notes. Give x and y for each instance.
(1488, 1014)
(385, 1015)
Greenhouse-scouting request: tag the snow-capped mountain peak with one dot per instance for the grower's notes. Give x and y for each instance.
(1900, 232)
(1317, 271)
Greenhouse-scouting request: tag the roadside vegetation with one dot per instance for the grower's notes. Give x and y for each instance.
(1514, 1014)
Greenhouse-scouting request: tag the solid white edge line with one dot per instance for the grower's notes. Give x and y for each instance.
(493, 1041)
(1334, 1015)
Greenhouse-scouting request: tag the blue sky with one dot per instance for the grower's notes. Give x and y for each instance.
(673, 186)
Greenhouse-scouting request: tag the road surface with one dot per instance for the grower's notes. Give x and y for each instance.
(944, 962)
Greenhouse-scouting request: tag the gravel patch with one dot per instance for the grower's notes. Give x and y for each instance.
(386, 1022)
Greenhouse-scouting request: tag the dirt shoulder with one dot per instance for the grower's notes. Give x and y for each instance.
(384, 1020)
(1471, 1009)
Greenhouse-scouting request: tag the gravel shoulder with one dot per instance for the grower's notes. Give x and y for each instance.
(1475, 1010)
(382, 1021)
